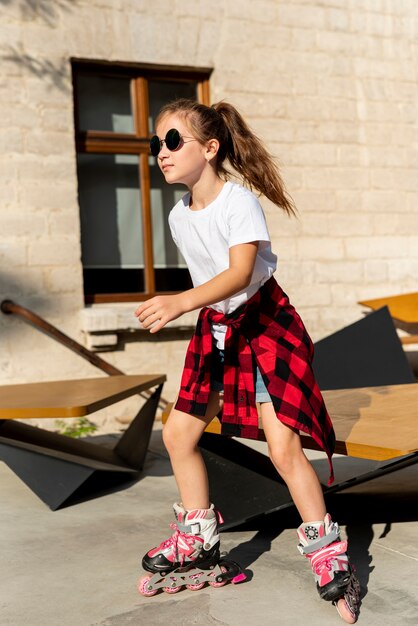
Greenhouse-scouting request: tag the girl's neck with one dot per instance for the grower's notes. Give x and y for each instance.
(204, 191)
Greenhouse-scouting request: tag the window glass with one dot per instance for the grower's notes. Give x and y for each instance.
(161, 92)
(170, 269)
(104, 104)
(163, 198)
(110, 207)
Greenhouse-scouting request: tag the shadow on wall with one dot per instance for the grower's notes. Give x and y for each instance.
(22, 291)
(57, 74)
(49, 12)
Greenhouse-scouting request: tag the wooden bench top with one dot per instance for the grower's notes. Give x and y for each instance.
(70, 398)
(376, 423)
(402, 307)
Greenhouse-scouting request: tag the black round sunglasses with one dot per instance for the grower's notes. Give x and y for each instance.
(173, 140)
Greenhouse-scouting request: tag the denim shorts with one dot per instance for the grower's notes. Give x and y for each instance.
(217, 375)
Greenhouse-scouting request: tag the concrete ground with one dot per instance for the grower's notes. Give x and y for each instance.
(78, 566)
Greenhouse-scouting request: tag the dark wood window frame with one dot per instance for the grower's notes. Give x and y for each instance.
(105, 142)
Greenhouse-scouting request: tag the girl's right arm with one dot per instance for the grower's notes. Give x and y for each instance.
(160, 310)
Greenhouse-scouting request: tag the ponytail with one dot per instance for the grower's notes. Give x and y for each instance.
(249, 157)
(237, 144)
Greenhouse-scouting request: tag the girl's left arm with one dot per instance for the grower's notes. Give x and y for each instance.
(160, 310)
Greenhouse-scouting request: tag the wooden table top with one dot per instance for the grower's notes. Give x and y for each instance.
(376, 423)
(70, 398)
(402, 307)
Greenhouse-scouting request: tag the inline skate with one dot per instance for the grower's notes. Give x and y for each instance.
(190, 557)
(336, 582)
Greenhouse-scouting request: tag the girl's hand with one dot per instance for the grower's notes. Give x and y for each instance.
(159, 311)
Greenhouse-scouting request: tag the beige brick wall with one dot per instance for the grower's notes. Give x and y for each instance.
(330, 85)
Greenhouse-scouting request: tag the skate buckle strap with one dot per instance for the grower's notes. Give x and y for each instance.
(331, 537)
(192, 529)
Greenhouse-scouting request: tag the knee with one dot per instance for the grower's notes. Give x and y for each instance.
(171, 436)
(285, 460)
(177, 438)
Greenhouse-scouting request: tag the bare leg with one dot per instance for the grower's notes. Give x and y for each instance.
(181, 434)
(287, 455)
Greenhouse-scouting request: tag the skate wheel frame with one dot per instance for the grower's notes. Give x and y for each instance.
(191, 578)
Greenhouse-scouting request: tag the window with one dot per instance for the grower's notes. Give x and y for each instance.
(127, 250)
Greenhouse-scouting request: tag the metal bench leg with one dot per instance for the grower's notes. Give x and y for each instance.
(133, 446)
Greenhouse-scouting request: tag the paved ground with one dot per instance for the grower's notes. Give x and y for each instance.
(78, 566)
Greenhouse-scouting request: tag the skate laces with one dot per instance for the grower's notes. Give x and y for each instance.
(322, 559)
(173, 541)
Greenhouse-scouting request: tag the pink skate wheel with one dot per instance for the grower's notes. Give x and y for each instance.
(143, 587)
(344, 612)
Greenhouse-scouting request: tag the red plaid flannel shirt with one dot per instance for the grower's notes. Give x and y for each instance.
(266, 331)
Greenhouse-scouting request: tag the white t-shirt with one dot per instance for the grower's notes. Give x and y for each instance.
(205, 236)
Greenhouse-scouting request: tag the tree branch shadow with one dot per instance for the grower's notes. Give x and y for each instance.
(48, 11)
(58, 75)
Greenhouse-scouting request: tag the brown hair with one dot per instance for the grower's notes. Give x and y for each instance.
(238, 144)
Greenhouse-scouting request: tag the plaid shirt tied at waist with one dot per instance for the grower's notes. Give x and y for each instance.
(266, 332)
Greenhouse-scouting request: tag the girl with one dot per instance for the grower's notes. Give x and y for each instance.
(249, 343)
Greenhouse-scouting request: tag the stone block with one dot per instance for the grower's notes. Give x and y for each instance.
(312, 154)
(403, 179)
(8, 168)
(22, 224)
(12, 253)
(317, 224)
(335, 42)
(384, 201)
(353, 155)
(336, 178)
(353, 224)
(296, 272)
(345, 272)
(48, 194)
(157, 39)
(12, 140)
(57, 119)
(386, 223)
(293, 177)
(305, 85)
(9, 195)
(301, 38)
(48, 142)
(338, 20)
(306, 16)
(376, 271)
(260, 11)
(60, 251)
(281, 225)
(64, 279)
(401, 271)
(311, 295)
(376, 247)
(340, 132)
(18, 280)
(64, 223)
(315, 201)
(319, 248)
